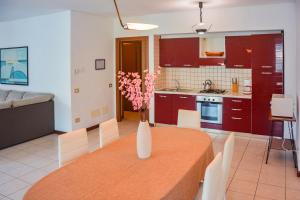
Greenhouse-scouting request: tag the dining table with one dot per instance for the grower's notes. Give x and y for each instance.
(173, 172)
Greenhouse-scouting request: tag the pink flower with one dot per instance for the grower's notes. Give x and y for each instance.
(130, 85)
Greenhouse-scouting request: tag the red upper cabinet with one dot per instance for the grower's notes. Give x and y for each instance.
(187, 52)
(179, 52)
(167, 53)
(238, 51)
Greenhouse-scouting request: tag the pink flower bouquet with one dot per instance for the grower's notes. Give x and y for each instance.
(130, 85)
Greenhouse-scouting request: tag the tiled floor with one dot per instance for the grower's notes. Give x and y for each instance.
(24, 164)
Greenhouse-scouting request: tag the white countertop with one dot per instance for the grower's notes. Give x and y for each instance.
(196, 92)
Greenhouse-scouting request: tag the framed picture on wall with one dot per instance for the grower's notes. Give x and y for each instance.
(14, 65)
(99, 64)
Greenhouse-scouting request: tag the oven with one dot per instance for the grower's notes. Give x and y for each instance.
(210, 108)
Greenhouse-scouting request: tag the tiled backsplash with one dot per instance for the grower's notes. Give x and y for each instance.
(194, 77)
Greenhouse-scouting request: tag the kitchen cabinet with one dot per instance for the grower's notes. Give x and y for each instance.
(237, 114)
(238, 52)
(167, 106)
(179, 52)
(167, 52)
(186, 102)
(267, 78)
(164, 108)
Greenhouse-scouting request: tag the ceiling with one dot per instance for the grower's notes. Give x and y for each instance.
(14, 9)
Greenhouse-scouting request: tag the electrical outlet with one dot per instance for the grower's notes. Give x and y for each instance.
(77, 119)
(95, 113)
(76, 90)
(110, 85)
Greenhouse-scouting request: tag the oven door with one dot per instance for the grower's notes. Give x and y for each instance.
(210, 112)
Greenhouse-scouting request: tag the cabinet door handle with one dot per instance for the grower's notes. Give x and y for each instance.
(266, 66)
(266, 73)
(236, 109)
(237, 101)
(167, 65)
(236, 118)
(181, 97)
(279, 84)
(161, 96)
(238, 65)
(187, 65)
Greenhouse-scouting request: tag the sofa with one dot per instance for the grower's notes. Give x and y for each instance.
(24, 116)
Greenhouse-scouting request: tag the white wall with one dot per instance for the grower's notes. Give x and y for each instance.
(92, 38)
(264, 17)
(298, 72)
(48, 40)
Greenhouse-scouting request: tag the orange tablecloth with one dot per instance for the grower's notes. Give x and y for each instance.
(178, 162)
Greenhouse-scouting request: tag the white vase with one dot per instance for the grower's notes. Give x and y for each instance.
(144, 140)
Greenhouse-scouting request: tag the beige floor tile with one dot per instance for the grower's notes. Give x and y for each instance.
(231, 195)
(292, 194)
(247, 175)
(276, 158)
(19, 194)
(270, 191)
(250, 165)
(292, 181)
(272, 175)
(245, 187)
(34, 176)
(261, 198)
(12, 187)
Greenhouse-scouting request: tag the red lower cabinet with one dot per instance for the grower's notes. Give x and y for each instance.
(164, 108)
(186, 102)
(167, 106)
(237, 115)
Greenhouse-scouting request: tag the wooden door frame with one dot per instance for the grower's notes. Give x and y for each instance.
(145, 65)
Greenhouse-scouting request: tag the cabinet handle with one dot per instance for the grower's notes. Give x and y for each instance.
(161, 96)
(236, 109)
(266, 73)
(187, 65)
(279, 84)
(266, 66)
(236, 118)
(237, 101)
(238, 65)
(183, 97)
(167, 65)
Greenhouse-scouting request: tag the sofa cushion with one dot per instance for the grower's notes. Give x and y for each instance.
(32, 98)
(3, 94)
(5, 104)
(14, 95)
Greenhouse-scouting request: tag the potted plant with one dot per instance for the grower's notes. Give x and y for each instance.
(130, 85)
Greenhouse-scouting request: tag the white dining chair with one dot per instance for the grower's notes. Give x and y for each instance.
(226, 164)
(211, 184)
(71, 146)
(108, 132)
(188, 119)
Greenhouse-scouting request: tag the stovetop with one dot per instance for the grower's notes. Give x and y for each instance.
(213, 91)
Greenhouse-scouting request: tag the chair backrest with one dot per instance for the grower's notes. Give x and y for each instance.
(71, 146)
(188, 119)
(211, 185)
(227, 160)
(108, 132)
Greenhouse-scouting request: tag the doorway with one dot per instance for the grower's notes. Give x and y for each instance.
(131, 56)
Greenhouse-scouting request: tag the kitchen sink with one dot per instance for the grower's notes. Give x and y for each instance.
(176, 90)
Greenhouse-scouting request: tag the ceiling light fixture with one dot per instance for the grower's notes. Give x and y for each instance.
(200, 28)
(133, 26)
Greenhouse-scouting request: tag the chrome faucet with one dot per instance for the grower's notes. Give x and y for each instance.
(177, 84)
